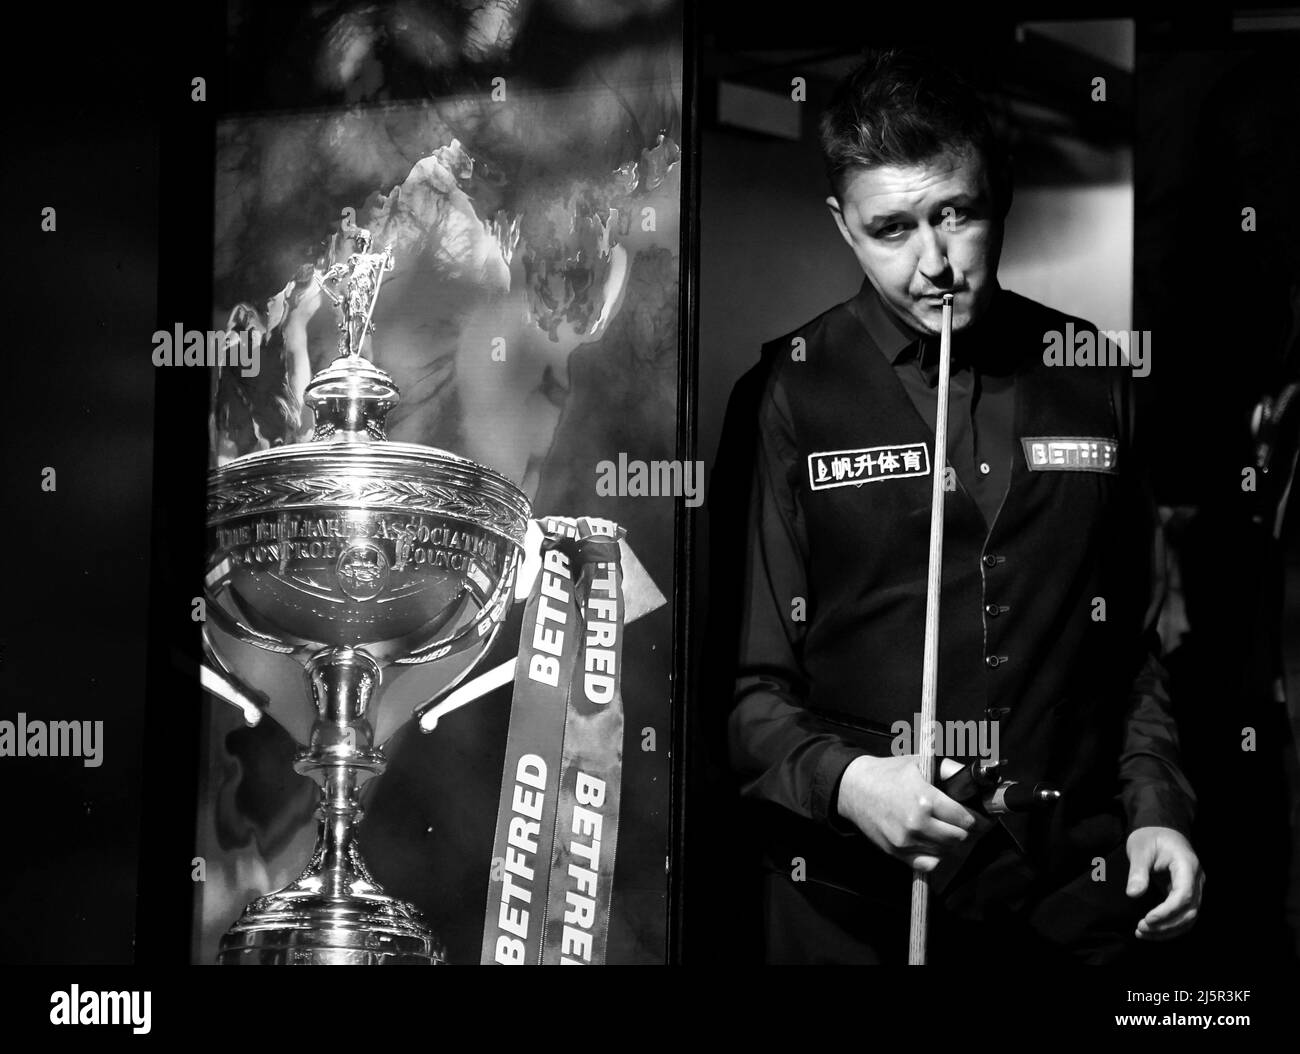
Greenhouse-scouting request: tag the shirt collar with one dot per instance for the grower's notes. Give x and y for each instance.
(897, 341)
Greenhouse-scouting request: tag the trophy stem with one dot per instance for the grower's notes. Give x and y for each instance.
(335, 913)
(341, 864)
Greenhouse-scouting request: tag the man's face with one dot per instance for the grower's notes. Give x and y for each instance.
(923, 230)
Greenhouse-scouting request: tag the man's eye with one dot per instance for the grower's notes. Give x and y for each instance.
(889, 232)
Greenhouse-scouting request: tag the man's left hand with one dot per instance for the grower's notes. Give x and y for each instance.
(1162, 849)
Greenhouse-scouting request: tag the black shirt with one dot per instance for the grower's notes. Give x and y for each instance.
(981, 392)
(1088, 697)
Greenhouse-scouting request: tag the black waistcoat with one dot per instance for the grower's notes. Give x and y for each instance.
(1020, 637)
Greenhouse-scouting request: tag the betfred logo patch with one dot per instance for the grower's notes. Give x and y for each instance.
(1071, 454)
(852, 468)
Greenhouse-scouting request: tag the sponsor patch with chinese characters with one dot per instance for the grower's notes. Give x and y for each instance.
(852, 468)
(1070, 454)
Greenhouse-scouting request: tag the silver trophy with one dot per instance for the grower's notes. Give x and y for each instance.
(366, 579)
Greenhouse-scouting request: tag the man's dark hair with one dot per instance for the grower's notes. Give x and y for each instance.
(905, 108)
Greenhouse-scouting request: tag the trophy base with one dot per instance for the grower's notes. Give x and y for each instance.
(298, 926)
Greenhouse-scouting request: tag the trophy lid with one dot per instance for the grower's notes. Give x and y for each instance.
(351, 398)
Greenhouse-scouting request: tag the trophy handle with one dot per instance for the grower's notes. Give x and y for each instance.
(428, 712)
(396, 650)
(486, 623)
(218, 679)
(232, 627)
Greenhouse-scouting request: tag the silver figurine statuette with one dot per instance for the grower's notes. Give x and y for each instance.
(374, 575)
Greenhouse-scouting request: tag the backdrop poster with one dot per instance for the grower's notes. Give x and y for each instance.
(530, 187)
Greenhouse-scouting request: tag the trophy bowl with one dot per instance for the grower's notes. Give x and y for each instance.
(379, 573)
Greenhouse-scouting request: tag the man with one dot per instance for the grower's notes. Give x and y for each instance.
(1046, 629)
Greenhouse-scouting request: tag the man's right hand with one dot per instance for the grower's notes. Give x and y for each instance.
(910, 819)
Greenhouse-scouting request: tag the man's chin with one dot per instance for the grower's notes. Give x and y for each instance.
(927, 315)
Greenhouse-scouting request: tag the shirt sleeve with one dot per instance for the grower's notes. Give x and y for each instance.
(783, 752)
(1154, 790)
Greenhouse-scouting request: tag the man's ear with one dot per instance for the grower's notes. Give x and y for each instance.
(833, 204)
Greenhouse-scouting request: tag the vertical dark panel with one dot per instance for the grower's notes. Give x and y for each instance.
(684, 704)
(173, 700)
(78, 389)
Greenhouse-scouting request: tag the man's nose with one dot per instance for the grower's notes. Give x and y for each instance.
(933, 261)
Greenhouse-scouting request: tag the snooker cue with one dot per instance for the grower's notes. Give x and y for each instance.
(916, 938)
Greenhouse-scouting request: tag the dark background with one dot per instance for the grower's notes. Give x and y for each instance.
(95, 620)
(98, 588)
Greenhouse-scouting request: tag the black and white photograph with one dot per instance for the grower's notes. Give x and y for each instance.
(655, 483)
